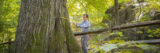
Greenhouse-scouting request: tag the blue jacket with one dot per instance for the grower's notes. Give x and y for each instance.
(85, 25)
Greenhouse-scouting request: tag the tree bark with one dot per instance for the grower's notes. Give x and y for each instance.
(43, 27)
(117, 21)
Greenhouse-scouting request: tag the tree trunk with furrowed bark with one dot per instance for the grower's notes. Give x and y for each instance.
(43, 27)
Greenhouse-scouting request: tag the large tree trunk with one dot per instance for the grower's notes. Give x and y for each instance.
(43, 27)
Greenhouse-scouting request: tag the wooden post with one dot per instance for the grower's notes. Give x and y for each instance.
(9, 46)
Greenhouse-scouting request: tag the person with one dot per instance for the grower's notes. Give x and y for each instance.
(85, 25)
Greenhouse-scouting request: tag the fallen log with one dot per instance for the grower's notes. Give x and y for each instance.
(153, 41)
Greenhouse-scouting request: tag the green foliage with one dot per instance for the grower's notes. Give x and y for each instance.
(155, 4)
(140, 48)
(8, 19)
(96, 9)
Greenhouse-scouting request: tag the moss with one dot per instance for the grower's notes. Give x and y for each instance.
(71, 41)
(41, 31)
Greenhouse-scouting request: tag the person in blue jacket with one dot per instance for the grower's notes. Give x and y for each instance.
(85, 25)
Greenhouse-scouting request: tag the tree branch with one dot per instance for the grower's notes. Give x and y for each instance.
(6, 43)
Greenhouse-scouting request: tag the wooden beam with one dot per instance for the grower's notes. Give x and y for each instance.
(90, 32)
(132, 25)
(140, 24)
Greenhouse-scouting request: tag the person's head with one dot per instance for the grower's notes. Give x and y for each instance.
(85, 17)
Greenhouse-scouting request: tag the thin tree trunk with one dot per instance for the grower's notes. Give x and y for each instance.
(117, 22)
(43, 27)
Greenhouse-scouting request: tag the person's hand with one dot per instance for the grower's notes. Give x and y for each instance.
(75, 24)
